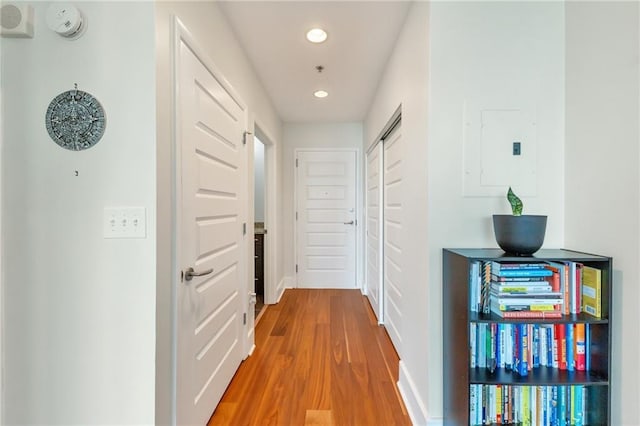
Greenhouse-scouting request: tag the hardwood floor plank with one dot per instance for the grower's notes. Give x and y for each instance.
(320, 359)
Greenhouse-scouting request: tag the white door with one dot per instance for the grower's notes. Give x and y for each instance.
(210, 124)
(393, 291)
(326, 219)
(374, 230)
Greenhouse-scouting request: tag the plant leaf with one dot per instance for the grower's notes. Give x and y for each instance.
(516, 203)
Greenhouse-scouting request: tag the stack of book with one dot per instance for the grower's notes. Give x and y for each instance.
(524, 290)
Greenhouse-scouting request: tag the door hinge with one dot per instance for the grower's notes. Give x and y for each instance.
(244, 137)
(296, 268)
(296, 162)
(244, 319)
(296, 215)
(244, 228)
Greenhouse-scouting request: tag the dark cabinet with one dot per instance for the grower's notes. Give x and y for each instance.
(259, 263)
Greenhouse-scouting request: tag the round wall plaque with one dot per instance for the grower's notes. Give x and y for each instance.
(75, 120)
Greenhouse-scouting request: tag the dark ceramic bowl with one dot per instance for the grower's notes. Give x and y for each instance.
(519, 235)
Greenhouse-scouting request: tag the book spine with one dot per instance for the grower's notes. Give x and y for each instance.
(580, 347)
(536, 346)
(522, 314)
(561, 342)
(472, 404)
(587, 347)
(570, 344)
(523, 362)
(502, 345)
(542, 339)
(473, 329)
(578, 288)
(523, 273)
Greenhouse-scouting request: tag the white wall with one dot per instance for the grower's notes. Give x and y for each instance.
(493, 55)
(405, 83)
(209, 27)
(490, 55)
(258, 180)
(79, 310)
(602, 171)
(310, 136)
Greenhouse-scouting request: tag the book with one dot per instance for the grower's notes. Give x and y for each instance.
(580, 347)
(530, 272)
(570, 342)
(530, 280)
(495, 265)
(592, 291)
(523, 350)
(485, 282)
(518, 288)
(563, 275)
(526, 299)
(526, 314)
(554, 281)
(562, 345)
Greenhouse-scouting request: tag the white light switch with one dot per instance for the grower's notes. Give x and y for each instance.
(125, 222)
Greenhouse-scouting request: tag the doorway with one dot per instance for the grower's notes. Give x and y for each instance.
(259, 214)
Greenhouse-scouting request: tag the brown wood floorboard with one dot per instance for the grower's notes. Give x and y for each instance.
(320, 359)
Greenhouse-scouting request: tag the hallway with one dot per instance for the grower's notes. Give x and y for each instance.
(320, 359)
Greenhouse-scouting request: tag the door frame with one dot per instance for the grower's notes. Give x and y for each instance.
(358, 213)
(182, 34)
(271, 295)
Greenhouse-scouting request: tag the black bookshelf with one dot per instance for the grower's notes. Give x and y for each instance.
(457, 373)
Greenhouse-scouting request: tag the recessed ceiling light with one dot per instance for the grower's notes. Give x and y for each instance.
(320, 94)
(316, 35)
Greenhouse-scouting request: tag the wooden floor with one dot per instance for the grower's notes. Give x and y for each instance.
(320, 359)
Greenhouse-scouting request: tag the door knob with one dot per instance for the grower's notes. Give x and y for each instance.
(349, 223)
(190, 273)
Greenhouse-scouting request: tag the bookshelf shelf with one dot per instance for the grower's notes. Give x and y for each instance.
(573, 318)
(543, 376)
(461, 380)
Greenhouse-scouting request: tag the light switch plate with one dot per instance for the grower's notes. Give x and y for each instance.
(125, 222)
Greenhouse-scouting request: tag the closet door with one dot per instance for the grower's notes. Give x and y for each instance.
(392, 235)
(374, 231)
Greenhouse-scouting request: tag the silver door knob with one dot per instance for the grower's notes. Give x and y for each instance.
(349, 223)
(190, 273)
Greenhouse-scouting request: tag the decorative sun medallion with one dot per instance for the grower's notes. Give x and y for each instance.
(75, 120)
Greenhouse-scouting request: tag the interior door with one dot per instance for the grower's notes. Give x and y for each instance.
(210, 125)
(392, 235)
(374, 230)
(326, 219)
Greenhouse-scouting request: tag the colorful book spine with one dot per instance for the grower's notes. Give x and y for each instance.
(592, 291)
(570, 344)
(580, 347)
(523, 350)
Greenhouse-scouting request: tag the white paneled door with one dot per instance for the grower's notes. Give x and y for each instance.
(392, 184)
(374, 231)
(210, 124)
(326, 219)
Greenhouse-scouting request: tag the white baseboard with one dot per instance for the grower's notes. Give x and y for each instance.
(416, 409)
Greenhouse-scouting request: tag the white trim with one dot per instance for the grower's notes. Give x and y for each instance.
(359, 282)
(282, 286)
(408, 391)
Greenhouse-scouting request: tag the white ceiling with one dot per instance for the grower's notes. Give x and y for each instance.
(362, 35)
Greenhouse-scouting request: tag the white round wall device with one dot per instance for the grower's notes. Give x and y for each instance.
(66, 20)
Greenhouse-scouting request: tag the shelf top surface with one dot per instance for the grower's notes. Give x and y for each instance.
(544, 254)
